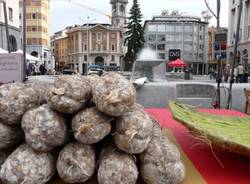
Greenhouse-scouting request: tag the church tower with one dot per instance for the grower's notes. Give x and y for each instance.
(119, 12)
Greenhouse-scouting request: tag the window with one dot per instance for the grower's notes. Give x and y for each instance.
(161, 28)
(104, 36)
(99, 47)
(188, 28)
(161, 38)
(122, 8)
(85, 58)
(188, 37)
(201, 28)
(20, 16)
(169, 37)
(113, 47)
(188, 47)
(151, 38)
(200, 55)
(33, 28)
(33, 16)
(161, 46)
(99, 36)
(113, 35)
(170, 28)
(152, 28)
(85, 47)
(112, 58)
(200, 37)
(161, 56)
(178, 28)
(178, 37)
(11, 14)
(152, 46)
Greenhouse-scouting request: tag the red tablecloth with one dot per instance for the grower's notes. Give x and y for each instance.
(236, 168)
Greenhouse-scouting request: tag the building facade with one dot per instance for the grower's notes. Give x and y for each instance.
(94, 44)
(38, 30)
(217, 47)
(61, 50)
(12, 7)
(186, 35)
(244, 38)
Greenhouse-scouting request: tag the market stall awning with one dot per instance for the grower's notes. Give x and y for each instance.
(177, 63)
(28, 56)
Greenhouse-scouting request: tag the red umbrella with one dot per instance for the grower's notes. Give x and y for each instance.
(177, 63)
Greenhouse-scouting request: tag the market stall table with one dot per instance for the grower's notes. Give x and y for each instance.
(203, 162)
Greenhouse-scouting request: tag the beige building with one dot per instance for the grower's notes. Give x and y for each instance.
(217, 46)
(61, 50)
(38, 30)
(94, 44)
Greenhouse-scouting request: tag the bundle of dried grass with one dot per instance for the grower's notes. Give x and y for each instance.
(69, 94)
(15, 99)
(9, 135)
(90, 126)
(26, 166)
(116, 167)
(44, 128)
(160, 162)
(76, 163)
(113, 94)
(228, 133)
(133, 130)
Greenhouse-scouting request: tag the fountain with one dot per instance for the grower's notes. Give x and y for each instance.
(147, 66)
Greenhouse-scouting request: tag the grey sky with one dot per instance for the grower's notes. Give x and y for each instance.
(64, 13)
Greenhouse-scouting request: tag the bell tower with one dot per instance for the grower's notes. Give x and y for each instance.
(119, 13)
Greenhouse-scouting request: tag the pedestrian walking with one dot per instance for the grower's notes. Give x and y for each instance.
(240, 72)
(42, 69)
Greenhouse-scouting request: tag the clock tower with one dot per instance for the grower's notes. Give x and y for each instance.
(119, 12)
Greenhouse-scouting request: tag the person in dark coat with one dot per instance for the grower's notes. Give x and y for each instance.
(42, 69)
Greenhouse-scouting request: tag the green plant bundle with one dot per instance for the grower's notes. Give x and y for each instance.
(227, 133)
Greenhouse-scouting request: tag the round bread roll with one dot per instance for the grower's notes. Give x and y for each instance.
(15, 100)
(44, 128)
(76, 163)
(26, 166)
(116, 167)
(69, 94)
(160, 162)
(113, 94)
(133, 130)
(90, 126)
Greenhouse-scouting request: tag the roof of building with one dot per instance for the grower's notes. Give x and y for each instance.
(175, 18)
(91, 26)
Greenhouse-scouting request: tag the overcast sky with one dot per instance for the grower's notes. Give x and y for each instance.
(64, 13)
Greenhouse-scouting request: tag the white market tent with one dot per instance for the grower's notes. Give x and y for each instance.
(2, 51)
(28, 56)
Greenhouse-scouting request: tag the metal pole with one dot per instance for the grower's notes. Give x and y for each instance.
(24, 37)
(234, 57)
(218, 78)
(87, 45)
(6, 26)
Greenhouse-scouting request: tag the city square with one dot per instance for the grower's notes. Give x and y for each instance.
(124, 91)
